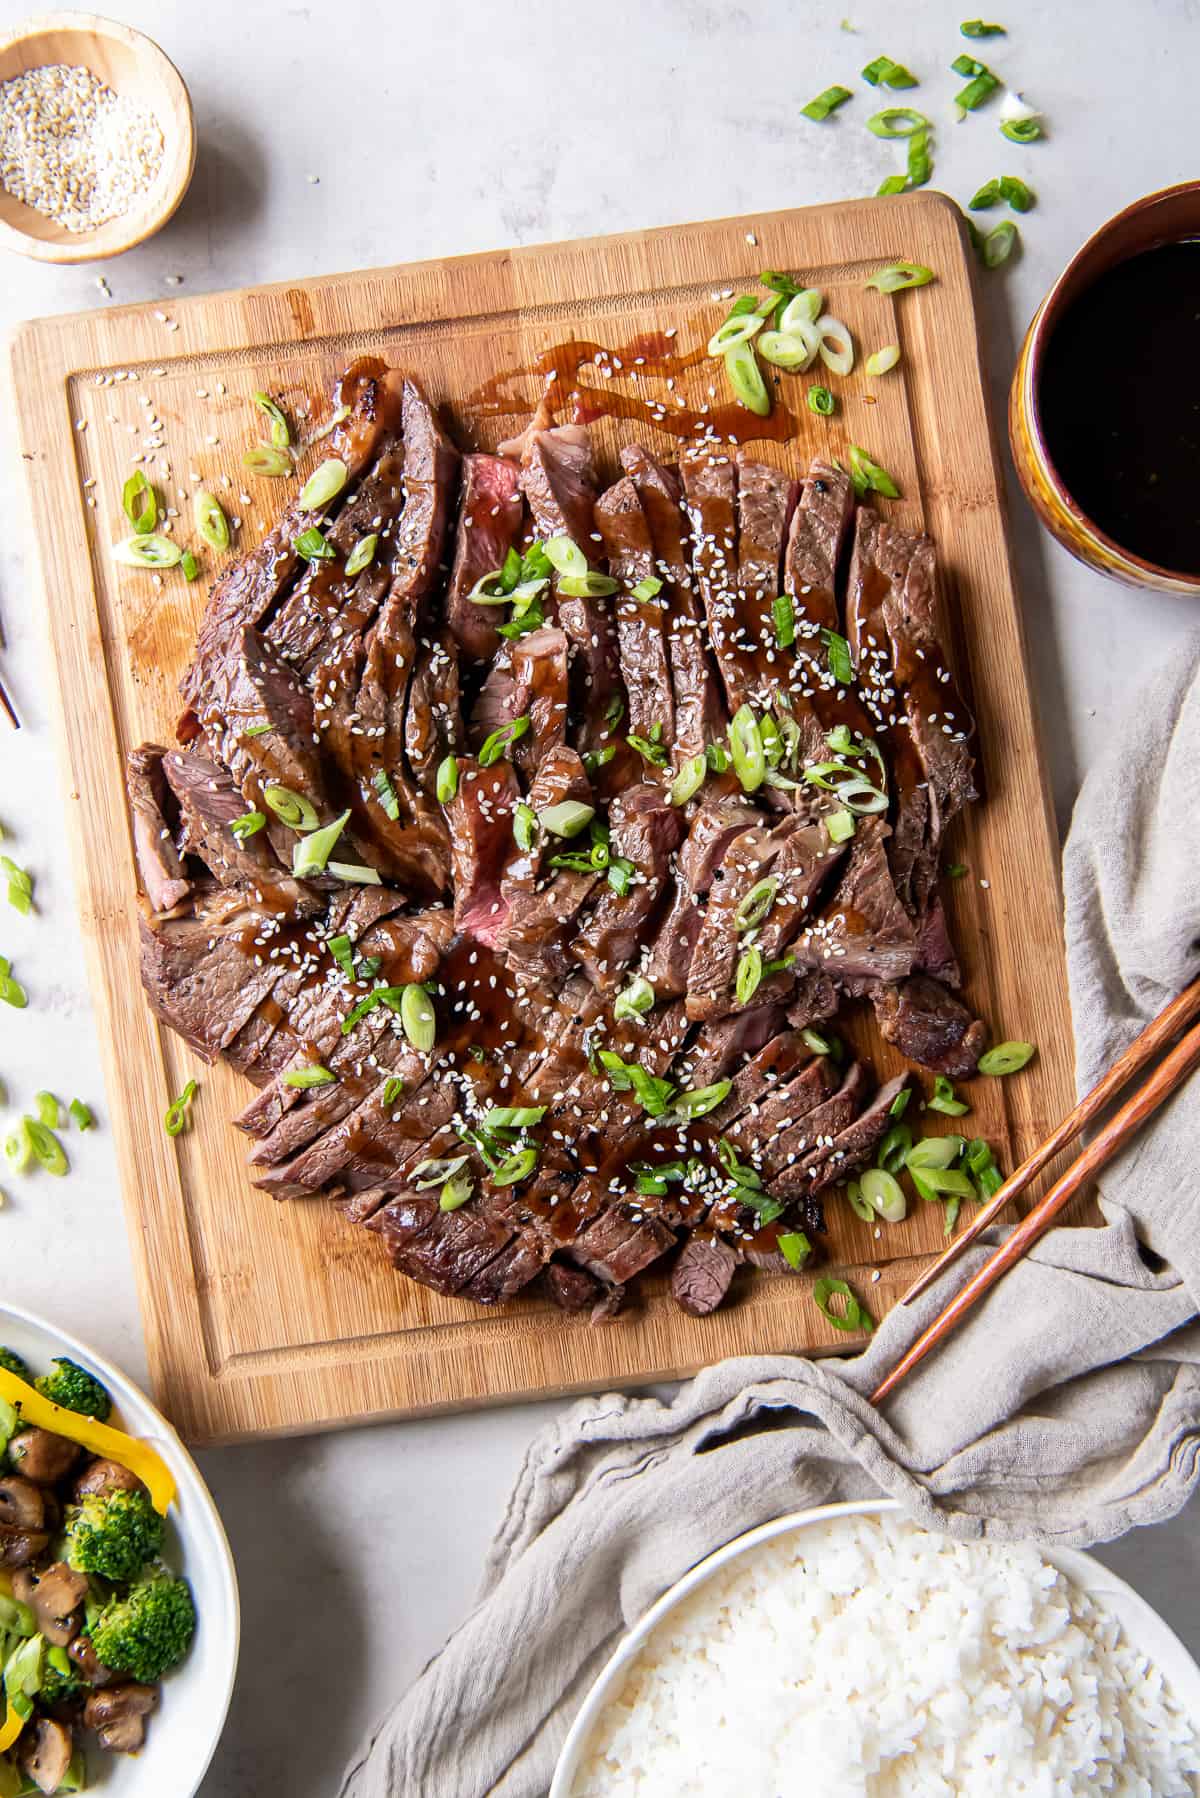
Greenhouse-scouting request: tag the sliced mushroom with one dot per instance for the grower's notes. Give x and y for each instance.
(19, 1547)
(42, 1456)
(55, 1596)
(119, 1716)
(106, 1476)
(93, 1670)
(22, 1517)
(45, 1753)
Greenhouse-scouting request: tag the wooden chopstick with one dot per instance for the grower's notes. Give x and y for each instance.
(1155, 1037)
(1170, 1073)
(6, 705)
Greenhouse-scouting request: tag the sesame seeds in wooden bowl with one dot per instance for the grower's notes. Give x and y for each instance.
(97, 138)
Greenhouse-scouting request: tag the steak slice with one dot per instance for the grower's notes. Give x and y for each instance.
(489, 523)
(543, 901)
(749, 859)
(620, 1243)
(480, 817)
(209, 802)
(794, 1161)
(766, 500)
(540, 693)
(570, 1287)
(432, 723)
(701, 1276)
(817, 538)
(710, 487)
(864, 932)
(715, 826)
(720, 1045)
(854, 1146)
(641, 628)
(645, 830)
(201, 975)
(930, 1026)
(159, 863)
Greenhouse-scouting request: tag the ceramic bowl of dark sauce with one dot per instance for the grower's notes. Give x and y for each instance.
(1104, 414)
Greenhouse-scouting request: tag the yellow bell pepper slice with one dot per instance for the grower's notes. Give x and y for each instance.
(97, 1438)
(11, 1727)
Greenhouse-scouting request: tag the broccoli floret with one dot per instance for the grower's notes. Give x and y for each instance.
(75, 1389)
(147, 1632)
(11, 1362)
(113, 1534)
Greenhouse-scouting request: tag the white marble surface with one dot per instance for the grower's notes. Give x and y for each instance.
(453, 128)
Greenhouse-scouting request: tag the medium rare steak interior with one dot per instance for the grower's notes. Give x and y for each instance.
(521, 836)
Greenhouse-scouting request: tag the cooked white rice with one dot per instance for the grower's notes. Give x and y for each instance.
(868, 1659)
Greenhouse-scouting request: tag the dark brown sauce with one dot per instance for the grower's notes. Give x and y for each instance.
(1120, 404)
(652, 354)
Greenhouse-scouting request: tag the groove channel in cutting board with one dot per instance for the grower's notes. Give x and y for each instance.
(265, 1318)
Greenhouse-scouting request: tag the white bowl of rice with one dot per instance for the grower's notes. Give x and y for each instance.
(846, 1650)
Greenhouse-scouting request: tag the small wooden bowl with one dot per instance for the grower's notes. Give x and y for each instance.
(134, 67)
(1160, 218)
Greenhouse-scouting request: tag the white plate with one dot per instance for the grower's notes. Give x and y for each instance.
(184, 1731)
(1143, 1627)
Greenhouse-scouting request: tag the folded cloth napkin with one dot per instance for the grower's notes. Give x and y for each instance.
(1066, 1407)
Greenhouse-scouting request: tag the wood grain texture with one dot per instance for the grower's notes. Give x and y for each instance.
(265, 1318)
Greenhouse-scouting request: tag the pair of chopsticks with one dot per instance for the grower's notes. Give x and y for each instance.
(1171, 1072)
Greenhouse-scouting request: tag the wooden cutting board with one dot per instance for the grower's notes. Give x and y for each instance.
(264, 1318)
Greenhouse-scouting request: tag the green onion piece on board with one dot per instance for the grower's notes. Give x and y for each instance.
(858, 1204)
(892, 1152)
(738, 328)
(48, 1109)
(746, 748)
(515, 1168)
(897, 121)
(945, 1180)
(785, 349)
(885, 1195)
(821, 401)
(837, 654)
(749, 975)
(634, 1000)
(447, 779)
(977, 28)
(418, 1018)
(148, 551)
(868, 476)
(211, 521)
(899, 1104)
(565, 556)
(18, 1149)
(757, 903)
(82, 1115)
(292, 809)
(189, 567)
(745, 377)
(977, 91)
(313, 546)
(840, 826)
(891, 74)
(853, 1318)
(566, 819)
(313, 1075)
(281, 434)
(956, 870)
(1019, 197)
(139, 502)
(1021, 131)
(783, 612)
(897, 277)
(934, 1152)
(177, 1116)
(248, 825)
(689, 780)
(999, 244)
(819, 1044)
(386, 793)
(46, 1146)
(819, 109)
(944, 1099)
(883, 361)
(987, 195)
(273, 463)
(795, 1248)
(311, 853)
(456, 1191)
(495, 746)
(324, 484)
(363, 553)
(1006, 1058)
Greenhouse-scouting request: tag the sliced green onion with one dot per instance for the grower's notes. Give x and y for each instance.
(256, 730)
(999, 244)
(46, 1146)
(312, 853)
(868, 476)
(587, 586)
(738, 328)
(619, 875)
(757, 903)
(565, 556)
(456, 1192)
(745, 377)
(977, 91)
(81, 1115)
(897, 277)
(1021, 131)
(313, 546)
(893, 184)
(884, 360)
(513, 1117)
(947, 1180)
(18, 1149)
(783, 611)
(819, 109)
(897, 121)
(188, 566)
(11, 990)
(177, 1116)
(342, 951)
(324, 484)
(795, 1248)
(893, 1148)
(363, 553)
(717, 757)
(833, 332)
(858, 1204)
(566, 819)
(211, 521)
(785, 349)
(702, 1100)
(281, 434)
(746, 748)
(312, 1075)
(899, 1104)
(982, 1167)
(447, 779)
(920, 162)
(749, 975)
(891, 74)
(885, 1195)
(48, 1109)
(840, 826)
(355, 872)
(944, 1099)
(821, 401)
(634, 1000)
(987, 195)
(1019, 197)
(819, 1044)
(1006, 1058)
(140, 503)
(436, 1169)
(418, 1018)
(20, 886)
(524, 825)
(614, 711)
(274, 463)
(837, 655)
(386, 793)
(802, 309)
(292, 809)
(650, 588)
(689, 780)
(977, 28)
(501, 740)
(515, 1168)
(935, 1152)
(654, 753)
(966, 65)
(393, 1088)
(148, 551)
(853, 1318)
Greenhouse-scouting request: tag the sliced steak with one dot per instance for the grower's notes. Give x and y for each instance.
(209, 802)
(202, 977)
(749, 859)
(480, 816)
(645, 830)
(710, 487)
(164, 877)
(701, 1276)
(619, 1244)
(795, 1160)
(570, 1287)
(766, 499)
(641, 624)
(816, 542)
(864, 933)
(433, 726)
(489, 523)
(543, 901)
(930, 1026)
(854, 1146)
(540, 693)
